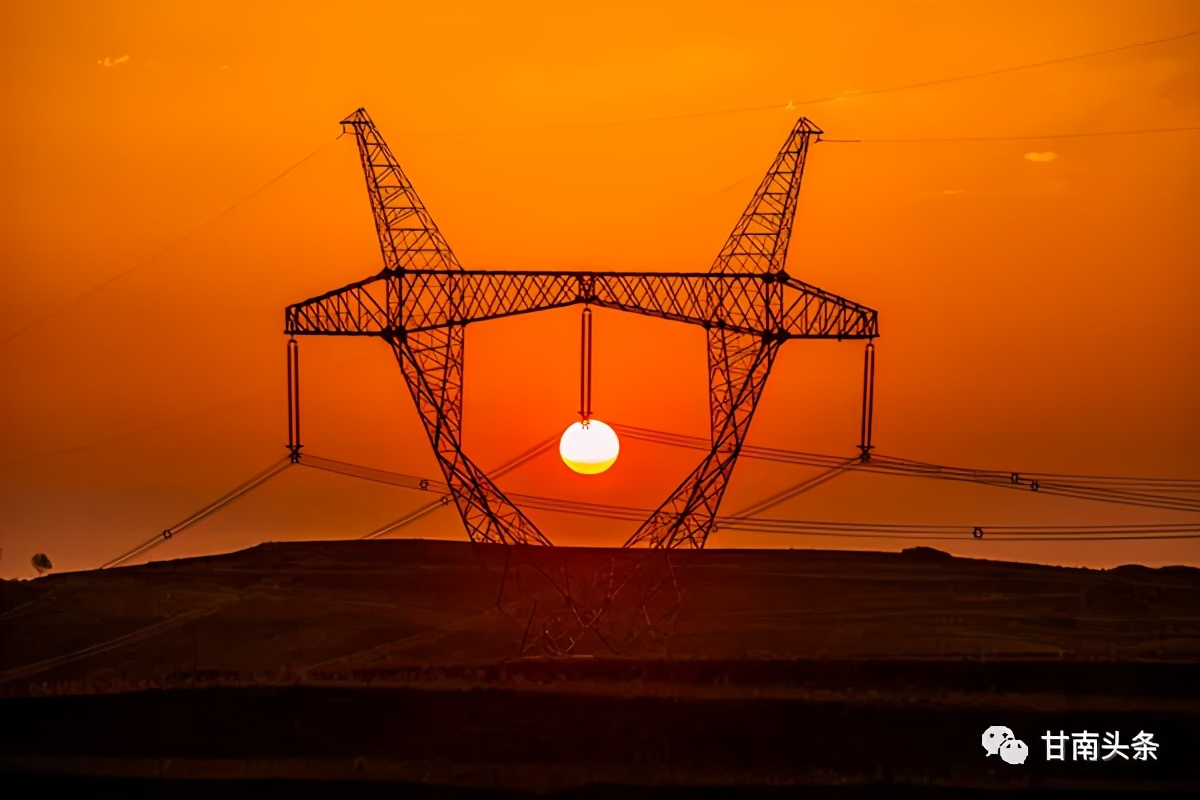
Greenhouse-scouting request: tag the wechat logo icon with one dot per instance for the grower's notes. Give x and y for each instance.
(1001, 740)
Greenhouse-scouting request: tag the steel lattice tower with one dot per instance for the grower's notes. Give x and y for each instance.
(423, 299)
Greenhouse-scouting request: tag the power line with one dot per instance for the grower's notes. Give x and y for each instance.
(147, 261)
(741, 521)
(207, 411)
(893, 465)
(1002, 71)
(1191, 484)
(745, 521)
(429, 508)
(920, 538)
(719, 112)
(599, 124)
(1014, 138)
(804, 486)
(691, 115)
(738, 521)
(1149, 531)
(208, 510)
(814, 101)
(129, 434)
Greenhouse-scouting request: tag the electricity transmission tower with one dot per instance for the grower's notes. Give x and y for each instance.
(423, 299)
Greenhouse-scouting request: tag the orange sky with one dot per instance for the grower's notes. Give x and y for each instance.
(1037, 313)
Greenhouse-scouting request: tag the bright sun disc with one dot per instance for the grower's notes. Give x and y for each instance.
(590, 450)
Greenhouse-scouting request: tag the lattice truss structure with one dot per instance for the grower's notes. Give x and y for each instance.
(423, 299)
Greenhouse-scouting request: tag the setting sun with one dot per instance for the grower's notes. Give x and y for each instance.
(589, 448)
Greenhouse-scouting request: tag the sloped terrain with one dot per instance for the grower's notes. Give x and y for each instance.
(438, 665)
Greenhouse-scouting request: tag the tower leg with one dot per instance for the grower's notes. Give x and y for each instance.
(432, 364)
(738, 365)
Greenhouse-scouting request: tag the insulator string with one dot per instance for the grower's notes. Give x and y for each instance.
(585, 366)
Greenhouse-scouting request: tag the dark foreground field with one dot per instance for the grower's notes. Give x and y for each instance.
(433, 669)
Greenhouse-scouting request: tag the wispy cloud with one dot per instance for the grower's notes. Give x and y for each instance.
(1041, 158)
(108, 61)
(953, 191)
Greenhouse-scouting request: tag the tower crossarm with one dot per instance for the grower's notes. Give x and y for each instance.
(812, 313)
(362, 308)
(771, 304)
